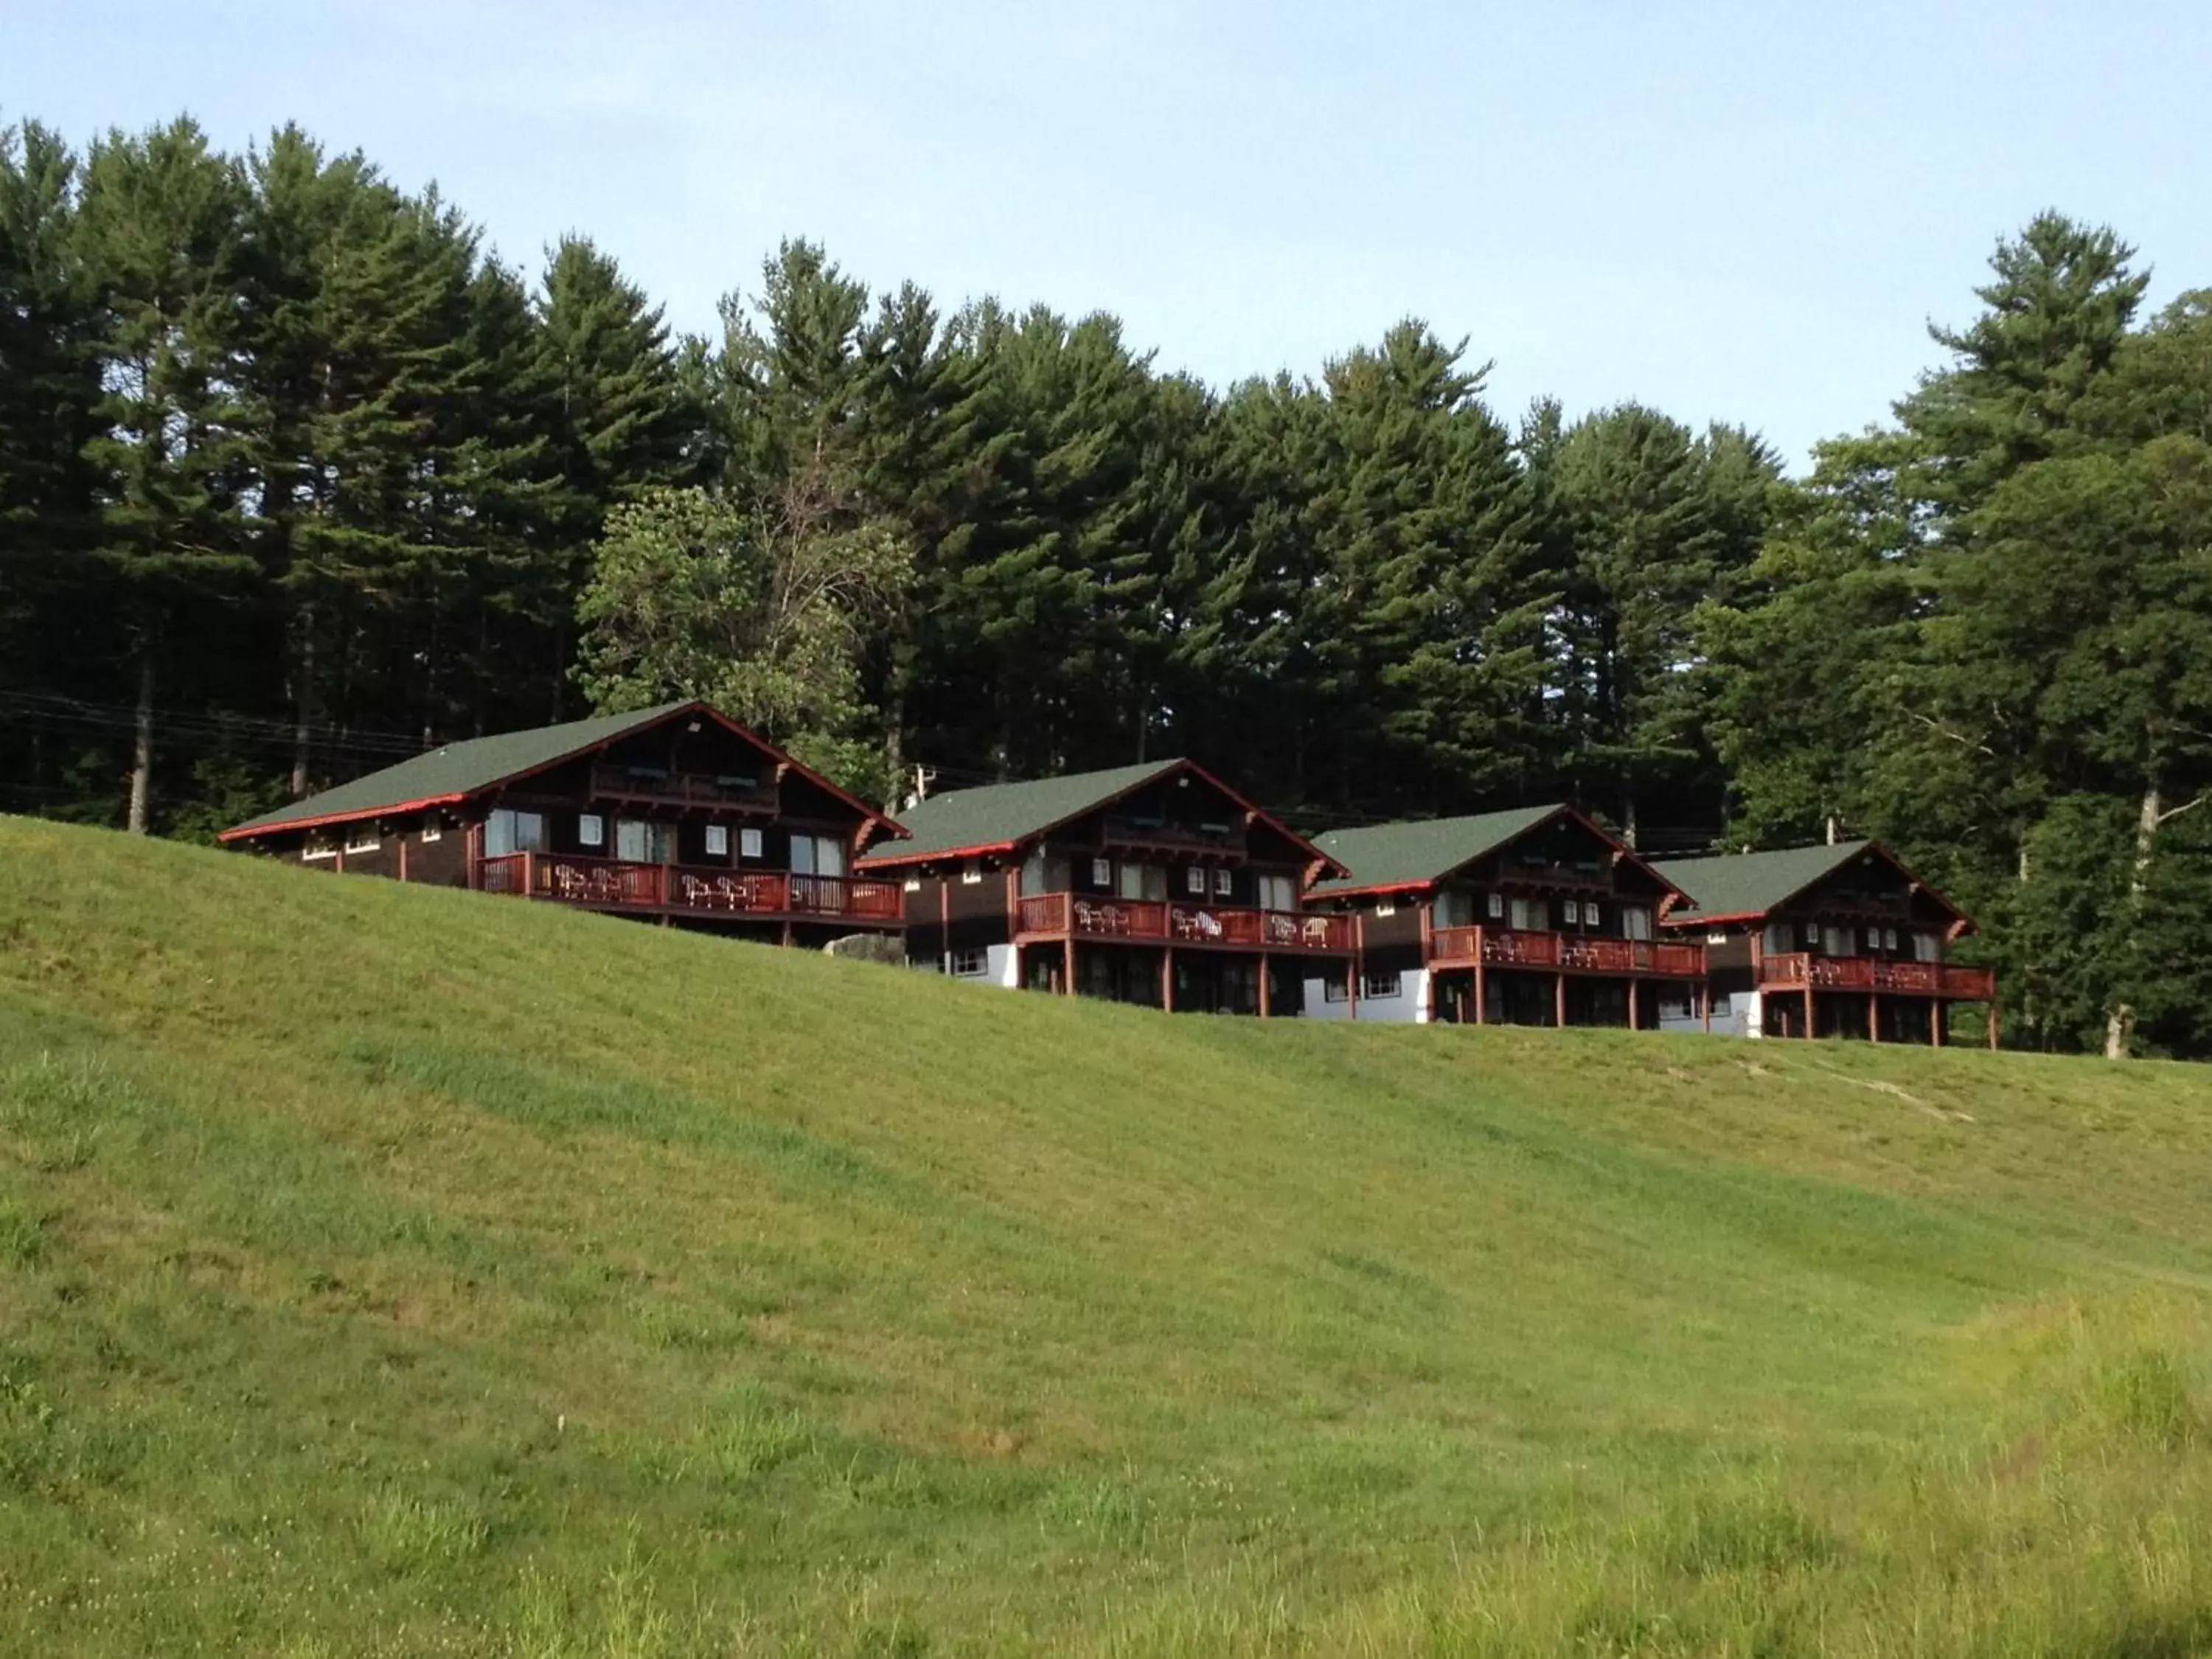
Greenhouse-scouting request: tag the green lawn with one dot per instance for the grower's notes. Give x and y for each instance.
(391, 1270)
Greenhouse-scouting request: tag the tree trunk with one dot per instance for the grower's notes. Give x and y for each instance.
(2120, 1021)
(142, 747)
(1835, 830)
(303, 702)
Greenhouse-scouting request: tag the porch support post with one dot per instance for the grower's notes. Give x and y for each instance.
(1874, 1017)
(1067, 965)
(403, 855)
(1481, 999)
(1993, 1023)
(1935, 1022)
(786, 931)
(1167, 978)
(1808, 1003)
(1358, 965)
(1560, 1000)
(1635, 1014)
(1706, 1003)
(1263, 985)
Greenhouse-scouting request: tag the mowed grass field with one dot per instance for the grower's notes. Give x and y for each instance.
(386, 1270)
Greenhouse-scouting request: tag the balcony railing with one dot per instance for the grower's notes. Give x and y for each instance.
(608, 884)
(680, 789)
(1055, 914)
(1506, 947)
(1800, 970)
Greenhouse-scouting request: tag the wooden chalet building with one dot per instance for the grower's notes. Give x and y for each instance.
(1531, 917)
(1827, 941)
(1156, 884)
(674, 813)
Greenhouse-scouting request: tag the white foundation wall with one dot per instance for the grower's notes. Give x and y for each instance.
(1407, 1005)
(1737, 1014)
(1002, 967)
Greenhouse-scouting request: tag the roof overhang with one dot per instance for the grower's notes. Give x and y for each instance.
(695, 708)
(896, 859)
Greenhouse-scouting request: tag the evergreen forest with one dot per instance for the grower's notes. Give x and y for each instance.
(298, 476)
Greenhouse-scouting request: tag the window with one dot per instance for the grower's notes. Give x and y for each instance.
(1635, 921)
(506, 831)
(640, 842)
(432, 829)
(591, 831)
(1873, 940)
(820, 855)
(1277, 893)
(1386, 906)
(1889, 938)
(971, 874)
(1590, 913)
(914, 884)
(1224, 882)
(718, 841)
(1194, 880)
(1812, 935)
(1924, 947)
(1102, 873)
(1497, 907)
(1839, 941)
(971, 964)
(1380, 988)
(316, 848)
(1337, 987)
(1523, 916)
(1574, 913)
(749, 843)
(362, 840)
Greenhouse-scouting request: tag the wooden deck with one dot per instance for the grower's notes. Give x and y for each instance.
(1203, 927)
(1799, 970)
(679, 889)
(1567, 953)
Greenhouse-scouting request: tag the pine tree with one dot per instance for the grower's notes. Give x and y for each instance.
(161, 227)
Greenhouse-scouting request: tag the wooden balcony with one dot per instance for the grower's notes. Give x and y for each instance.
(616, 783)
(1062, 915)
(1801, 970)
(679, 889)
(1570, 953)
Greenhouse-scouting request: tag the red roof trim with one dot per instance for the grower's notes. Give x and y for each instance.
(894, 858)
(1668, 890)
(1383, 891)
(1961, 923)
(242, 833)
(694, 707)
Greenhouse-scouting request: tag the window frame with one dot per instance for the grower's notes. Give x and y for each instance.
(751, 843)
(978, 955)
(718, 832)
(592, 830)
(1369, 979)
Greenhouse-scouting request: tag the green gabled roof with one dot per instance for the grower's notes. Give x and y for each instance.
(457, 770)
(1415, 854)
(1000, 815)
(1753, 883)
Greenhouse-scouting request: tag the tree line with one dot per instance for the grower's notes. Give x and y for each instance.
(297, 476)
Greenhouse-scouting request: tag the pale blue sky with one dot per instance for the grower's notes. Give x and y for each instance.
(1733, 210)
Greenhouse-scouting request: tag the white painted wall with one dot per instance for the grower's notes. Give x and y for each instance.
(1408, 1005)
(1003, 969)
(1737, 1014)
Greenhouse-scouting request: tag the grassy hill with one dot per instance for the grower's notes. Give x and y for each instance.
(389, 1270)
